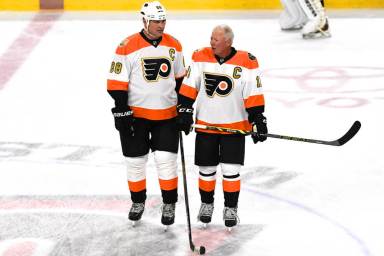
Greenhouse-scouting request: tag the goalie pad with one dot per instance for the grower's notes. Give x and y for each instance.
(293, 17)
(317, 25)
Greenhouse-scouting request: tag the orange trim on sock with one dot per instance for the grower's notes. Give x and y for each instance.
(136, 186)
(168, 184)
(207, 186)
(231, 186)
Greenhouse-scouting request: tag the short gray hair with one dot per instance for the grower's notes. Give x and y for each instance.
(228, 32)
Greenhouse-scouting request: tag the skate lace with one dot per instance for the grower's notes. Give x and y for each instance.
(168, 210)
(137, 207)
(205, 210)
(231, 214)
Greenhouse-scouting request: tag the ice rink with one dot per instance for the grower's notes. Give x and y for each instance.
(63, 188)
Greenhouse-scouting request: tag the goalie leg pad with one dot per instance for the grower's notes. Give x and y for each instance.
(293, 16)
(317, 26)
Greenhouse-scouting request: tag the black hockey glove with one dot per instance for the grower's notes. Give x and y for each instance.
(123, 119)
(184, 119)
(259, 127)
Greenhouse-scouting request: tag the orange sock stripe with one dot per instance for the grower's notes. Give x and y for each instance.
(207, 186)
(168, 184)
(136, 186)
(231, 186)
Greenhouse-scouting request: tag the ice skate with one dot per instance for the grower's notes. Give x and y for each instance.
(205, 214)
(321, 32)
(137, 210)
(230, 217)
(168, 215)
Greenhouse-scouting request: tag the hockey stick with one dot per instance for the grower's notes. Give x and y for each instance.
(339, 142)
(201, 249)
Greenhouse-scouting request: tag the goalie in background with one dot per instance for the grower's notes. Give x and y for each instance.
(307, 15)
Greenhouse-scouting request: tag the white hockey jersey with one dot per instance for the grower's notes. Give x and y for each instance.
(223, 91)
(148, 75)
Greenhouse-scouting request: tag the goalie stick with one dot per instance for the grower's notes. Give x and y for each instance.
(339, 142)
(201, 249)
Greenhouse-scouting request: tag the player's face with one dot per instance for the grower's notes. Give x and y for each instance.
(156, 28)
(219, 44)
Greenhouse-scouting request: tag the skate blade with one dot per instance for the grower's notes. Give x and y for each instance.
(165, 228)
(317, 35)
(134, 223)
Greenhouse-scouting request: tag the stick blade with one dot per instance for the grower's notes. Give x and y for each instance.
(350, 134)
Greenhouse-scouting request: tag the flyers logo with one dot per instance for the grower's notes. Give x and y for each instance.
(217, 84)
(153, 68)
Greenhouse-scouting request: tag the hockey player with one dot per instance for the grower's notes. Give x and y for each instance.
(142, 81)
(224, 85)
(308, 15)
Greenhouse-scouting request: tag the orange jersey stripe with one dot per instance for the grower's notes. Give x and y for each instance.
(114, 85)
(170, 41)
(242, 125)
(154, 114)
(131, 44)
(137, 186)
(241, 58)
(204, 55)
(231, 186)
(136, 42)
(168, 184)
(254, 101)
(188, 91)
(207, 186)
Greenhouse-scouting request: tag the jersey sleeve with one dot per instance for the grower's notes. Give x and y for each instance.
(118, 77)
(192, 80)
(252, 94)
(179, 65)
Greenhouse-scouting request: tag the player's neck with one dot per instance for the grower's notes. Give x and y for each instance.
(150, 36)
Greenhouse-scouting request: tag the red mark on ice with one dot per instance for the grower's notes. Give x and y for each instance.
(18, 52)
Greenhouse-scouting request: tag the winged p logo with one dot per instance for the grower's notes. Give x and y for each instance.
(155, 67)
(218, 84)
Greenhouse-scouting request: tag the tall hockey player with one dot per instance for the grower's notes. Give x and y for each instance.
(224, 86)
(308, 15)
(145, 71)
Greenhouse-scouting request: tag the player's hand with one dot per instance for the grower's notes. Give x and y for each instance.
(124, 119)
(259, 127)
(184, 119)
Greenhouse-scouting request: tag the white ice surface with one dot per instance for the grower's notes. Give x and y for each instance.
(61, 168)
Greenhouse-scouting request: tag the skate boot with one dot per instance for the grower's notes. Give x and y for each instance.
(168, 214)
(230, 217)
(136, 212)
(205, 214)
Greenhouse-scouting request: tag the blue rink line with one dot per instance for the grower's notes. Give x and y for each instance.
(349, 233)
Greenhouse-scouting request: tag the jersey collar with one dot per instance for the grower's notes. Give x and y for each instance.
(223, 60)
(154, 42)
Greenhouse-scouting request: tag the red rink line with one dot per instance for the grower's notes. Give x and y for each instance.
(18, 52)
